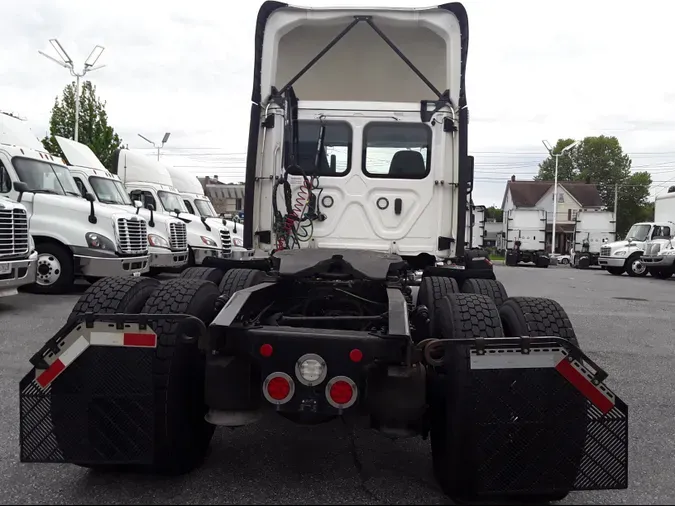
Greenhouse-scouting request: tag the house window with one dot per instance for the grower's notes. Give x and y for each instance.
(572, 215)
(561, 198)
(238, 204)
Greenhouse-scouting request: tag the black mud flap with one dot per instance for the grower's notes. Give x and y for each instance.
(90, 397)
(535, 419)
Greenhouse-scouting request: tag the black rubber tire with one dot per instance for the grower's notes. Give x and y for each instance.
(238, 279)
(462, 315)
(489, 287)
(615, 271)
(66, 279)
(207, 273)
(542, 262)
(182, 436)
(533, 317)
(630, 266)
(660, 273)
(511, 259)
(432, 290)
(108, 296)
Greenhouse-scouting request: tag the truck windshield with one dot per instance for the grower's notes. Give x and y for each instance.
(205, 208)
(45, 177)
(638, 233)
(171, 201)
(109, 191)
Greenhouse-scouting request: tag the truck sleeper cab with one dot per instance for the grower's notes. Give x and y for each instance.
(18, 258)
(74, 237)
(167, 237)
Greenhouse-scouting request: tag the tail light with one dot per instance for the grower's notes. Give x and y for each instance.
(341, 392)
(278, 388)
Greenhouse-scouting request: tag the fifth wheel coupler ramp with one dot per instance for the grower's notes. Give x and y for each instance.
(90, 398)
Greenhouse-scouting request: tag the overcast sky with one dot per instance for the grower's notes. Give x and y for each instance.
(536, 70)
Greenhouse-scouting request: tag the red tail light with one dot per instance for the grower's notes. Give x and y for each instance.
(341, 392)
(278, 388)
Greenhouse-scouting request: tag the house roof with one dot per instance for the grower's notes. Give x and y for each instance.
(529, 193)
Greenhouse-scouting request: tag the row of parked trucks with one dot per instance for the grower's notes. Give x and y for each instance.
(67, 219)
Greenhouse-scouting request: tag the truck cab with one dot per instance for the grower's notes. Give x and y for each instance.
(659, 252)
(626, 255)
(199, 205)
(149, 182)
(524, 232)
(18, 258)
(592, 231)
(167, 236)
(74, 236)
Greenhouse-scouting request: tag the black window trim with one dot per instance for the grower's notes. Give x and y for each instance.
(9, 178)
(389, 124)
(350, 146)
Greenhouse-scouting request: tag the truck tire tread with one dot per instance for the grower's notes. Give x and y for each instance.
(432, 290)
(207, 273)
(238, 279)
(489, 287)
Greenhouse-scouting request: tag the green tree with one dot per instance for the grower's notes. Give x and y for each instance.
(601, 160)
(93, 130)
(495, 213)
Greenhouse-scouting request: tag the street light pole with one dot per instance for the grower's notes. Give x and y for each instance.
(555, 186)
(164, 139)
(67, 63)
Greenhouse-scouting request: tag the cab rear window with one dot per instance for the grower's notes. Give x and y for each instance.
(396, 150)
(335, 158)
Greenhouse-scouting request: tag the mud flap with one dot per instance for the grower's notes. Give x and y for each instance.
(540, 420)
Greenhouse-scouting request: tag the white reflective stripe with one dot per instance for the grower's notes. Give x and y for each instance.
(515, 359)
(107, 338)
(74, 351)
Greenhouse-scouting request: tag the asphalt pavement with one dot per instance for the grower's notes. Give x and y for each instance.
(624, 324)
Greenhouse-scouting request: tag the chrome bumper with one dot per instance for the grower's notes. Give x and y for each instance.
(203, 253)
(612, 261)
(658, 261)
(16, 273)
(101, 267)
(164, 258)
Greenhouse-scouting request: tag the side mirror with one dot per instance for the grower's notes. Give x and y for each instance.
(150, 207)
(89, 197)
(20, 187)
(92, 213)
(138, 203)
(177, 211)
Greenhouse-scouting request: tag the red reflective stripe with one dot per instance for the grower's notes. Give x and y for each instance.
(135, 339)
(52, 372)
(592, 393)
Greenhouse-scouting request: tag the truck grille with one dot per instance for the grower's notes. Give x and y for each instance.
(132, 236)
(605, 251)
(178, 236)
(13, 232)
(226, 240)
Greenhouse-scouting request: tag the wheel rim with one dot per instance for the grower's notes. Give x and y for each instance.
(638, 267)
(48, 269)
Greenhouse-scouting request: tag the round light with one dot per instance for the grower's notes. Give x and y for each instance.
(341, 392)
(278, 388)
(266, 350)
(356, 355)
(311, 370)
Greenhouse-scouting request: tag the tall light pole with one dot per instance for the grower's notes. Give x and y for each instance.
(555, 185)
(67, 62)
(164, 139)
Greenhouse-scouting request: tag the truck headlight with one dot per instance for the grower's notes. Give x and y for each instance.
(100, 242)
(236, 241)
(209, 242)
(621, 253)
(158, 241)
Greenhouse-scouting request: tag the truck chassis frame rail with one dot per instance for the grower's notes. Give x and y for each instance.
(505, 437)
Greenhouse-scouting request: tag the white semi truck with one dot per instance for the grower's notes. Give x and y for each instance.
(627, 255)
(659, 253)
(74, 236)
(167, 236)
(592, 230)
(199, 205)
(524, 232)
(18, 258)
(149, 181)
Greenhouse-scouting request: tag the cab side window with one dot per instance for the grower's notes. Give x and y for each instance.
(80, 186)
(145, 197)
(190, 209)
(5, 182)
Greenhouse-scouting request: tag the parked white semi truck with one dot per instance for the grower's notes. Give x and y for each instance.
(74, 236)
(18, 258)
(627, 255)
(592, 230)
(150, 182)
(199, 205)
(659, 253)
(167, 236)
(525, 237)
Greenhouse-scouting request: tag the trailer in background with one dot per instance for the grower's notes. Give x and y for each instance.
(592, 230)
(525, 237)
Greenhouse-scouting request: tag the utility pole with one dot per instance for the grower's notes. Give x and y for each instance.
(67, 63)
(555, 185)
(164, 139)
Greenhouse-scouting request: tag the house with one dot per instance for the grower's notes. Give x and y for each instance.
(572, 196)
(227, 198)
